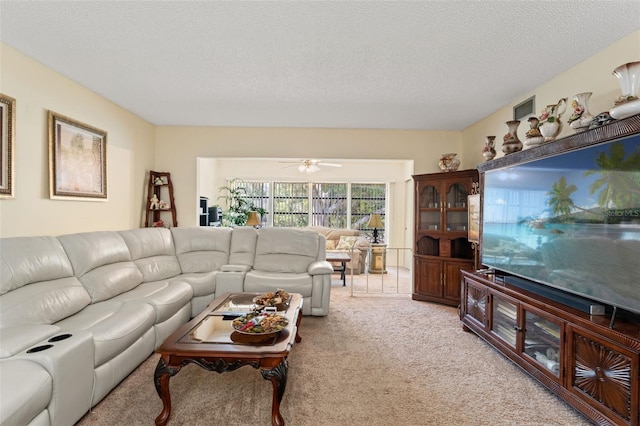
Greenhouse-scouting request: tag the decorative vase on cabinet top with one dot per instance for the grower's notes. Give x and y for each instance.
(489, 148)
(551, 126)
(581, 118)
(510, 141)
(448, 162)
(533, 137)
(628, 103)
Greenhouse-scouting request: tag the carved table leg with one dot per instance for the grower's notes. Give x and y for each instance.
(278, 378)
(161, 379)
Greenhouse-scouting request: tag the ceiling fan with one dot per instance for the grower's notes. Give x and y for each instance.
(310, 166)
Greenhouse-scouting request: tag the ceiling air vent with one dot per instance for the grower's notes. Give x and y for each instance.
(524, 109)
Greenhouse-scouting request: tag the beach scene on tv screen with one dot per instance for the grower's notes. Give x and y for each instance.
(571, 221)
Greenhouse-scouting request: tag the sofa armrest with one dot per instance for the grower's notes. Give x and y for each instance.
(69, 359)
(18, 338)
(320, 267)
(235, 268)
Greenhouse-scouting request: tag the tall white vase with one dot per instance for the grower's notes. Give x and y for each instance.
(627, 103)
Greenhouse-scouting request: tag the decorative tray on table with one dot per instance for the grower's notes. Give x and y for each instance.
(276, 300)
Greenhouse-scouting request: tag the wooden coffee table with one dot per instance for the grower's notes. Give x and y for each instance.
(209, 341)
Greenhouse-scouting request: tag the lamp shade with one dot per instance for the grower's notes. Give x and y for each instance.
(253, 219)
(375, 221)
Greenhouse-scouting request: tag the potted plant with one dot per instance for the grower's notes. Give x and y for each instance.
(238, 205)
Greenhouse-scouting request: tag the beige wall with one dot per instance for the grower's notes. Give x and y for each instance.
(130, 150)
(178, 149)
(593, 75)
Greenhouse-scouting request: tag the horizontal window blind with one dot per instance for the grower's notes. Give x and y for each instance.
(300, 204)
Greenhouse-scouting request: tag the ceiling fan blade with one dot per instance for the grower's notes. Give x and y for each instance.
(329, 164)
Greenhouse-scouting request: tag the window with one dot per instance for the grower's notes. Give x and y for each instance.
(290, 204)
(300, 204)
(367, 198)
(329, 204)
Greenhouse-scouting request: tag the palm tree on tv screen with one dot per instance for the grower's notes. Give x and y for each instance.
(619, 181)
(560, 201)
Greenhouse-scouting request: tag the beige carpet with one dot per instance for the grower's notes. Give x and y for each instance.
(374, 360)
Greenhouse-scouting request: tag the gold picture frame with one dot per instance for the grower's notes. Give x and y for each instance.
(77, 159)
(473, 203)
(7, 147)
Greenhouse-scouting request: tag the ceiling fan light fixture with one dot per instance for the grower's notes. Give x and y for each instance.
(308, 166)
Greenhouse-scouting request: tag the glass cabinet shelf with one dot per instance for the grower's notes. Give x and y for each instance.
(542, 341)
(505, 320)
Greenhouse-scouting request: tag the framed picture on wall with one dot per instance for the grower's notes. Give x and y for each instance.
(473, 201)
(7, 148)
(77, 159)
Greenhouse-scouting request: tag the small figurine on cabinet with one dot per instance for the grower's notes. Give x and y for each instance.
(158, 181)
(158, 224)
(154, 202)
(162, 205)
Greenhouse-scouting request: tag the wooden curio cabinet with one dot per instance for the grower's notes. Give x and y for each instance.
(441, 247)
(592, 366)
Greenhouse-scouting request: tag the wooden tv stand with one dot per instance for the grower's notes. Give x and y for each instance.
(594, 368)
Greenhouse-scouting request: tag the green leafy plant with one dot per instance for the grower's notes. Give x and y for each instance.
(238, 205)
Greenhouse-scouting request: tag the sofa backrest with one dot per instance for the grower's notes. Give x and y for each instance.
(37, 285)
(153, 252)
(102, 262)
(201, 249)
(288, 249)
(334, 234)
(243, 245)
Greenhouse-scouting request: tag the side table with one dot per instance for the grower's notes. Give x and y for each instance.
(378, 259)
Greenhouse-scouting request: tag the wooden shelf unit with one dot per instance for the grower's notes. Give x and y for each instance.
(153, 215)
(441, 247)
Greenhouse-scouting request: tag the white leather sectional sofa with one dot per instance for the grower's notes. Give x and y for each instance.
(79, 312)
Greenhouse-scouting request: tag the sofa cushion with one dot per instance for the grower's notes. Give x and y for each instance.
(153, 252)
(25, 392)
(43, 303)
(331, 244)
(286, 250)
(110, 280)
(346, 243)
(201, 249)
(243, 245)
(25, 260)
(261, 281)
(166, 297)
(114, 326)
(102, 262)
(202, 283)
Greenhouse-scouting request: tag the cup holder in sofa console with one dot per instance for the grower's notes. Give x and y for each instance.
(39, 348)
(59, 337)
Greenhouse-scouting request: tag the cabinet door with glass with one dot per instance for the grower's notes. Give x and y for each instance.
(504, 319)
(454, 206)
(429, 206)
(541, 345)
(441, 202)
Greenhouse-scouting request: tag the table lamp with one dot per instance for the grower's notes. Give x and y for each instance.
(253, 219)
(375, 222)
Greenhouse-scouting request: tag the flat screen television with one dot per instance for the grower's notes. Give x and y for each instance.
(569, 221)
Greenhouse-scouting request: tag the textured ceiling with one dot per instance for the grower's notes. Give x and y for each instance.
(332, 64)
